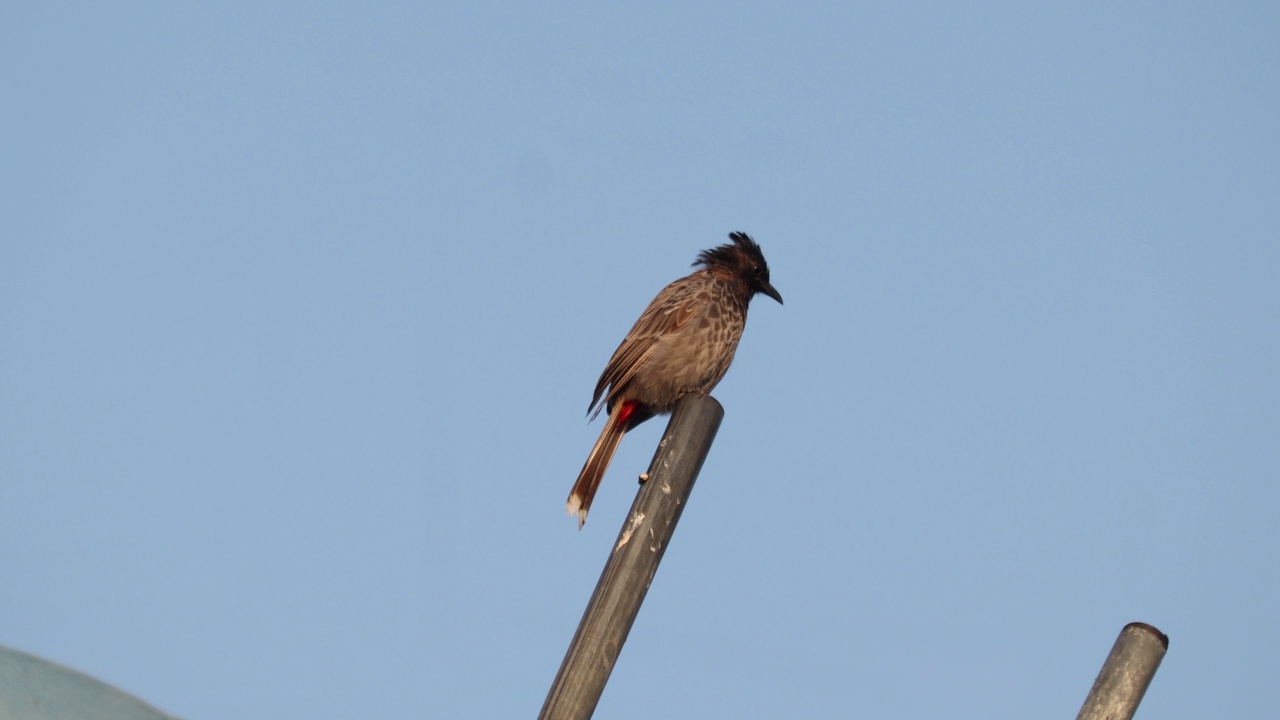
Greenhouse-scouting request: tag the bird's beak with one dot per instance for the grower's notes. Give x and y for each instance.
(767, 289)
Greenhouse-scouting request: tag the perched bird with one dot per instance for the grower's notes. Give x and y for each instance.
(682, 343)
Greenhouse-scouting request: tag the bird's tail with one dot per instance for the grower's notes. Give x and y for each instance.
(584, 491)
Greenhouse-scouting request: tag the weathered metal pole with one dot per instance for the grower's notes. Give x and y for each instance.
(1126, 674)
(644, 538)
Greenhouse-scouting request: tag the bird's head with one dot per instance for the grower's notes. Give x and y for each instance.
(744, 259)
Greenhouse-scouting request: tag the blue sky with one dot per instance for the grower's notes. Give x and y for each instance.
(301, 306)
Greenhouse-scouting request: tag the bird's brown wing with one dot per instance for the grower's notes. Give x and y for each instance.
(666, 315)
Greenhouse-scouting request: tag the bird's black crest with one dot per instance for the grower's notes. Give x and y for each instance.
(732, 256)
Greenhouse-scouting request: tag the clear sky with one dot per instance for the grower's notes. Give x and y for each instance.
(301, 307)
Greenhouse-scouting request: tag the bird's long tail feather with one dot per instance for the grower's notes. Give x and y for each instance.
(584, 490)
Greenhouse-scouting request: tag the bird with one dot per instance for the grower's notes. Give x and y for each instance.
(683, 343)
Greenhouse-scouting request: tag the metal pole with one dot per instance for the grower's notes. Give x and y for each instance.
(644, 538)
(1126, 674)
